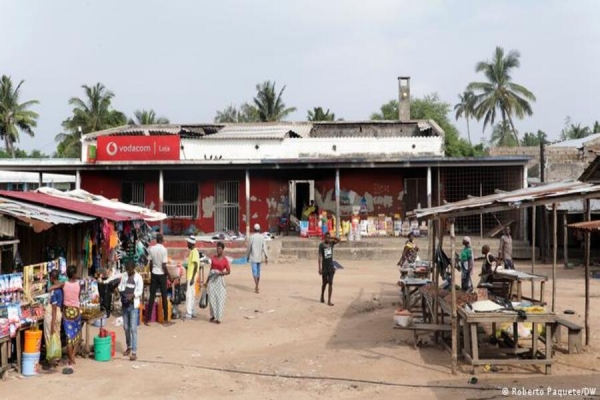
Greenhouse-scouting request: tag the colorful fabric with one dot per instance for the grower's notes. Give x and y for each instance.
(72, 324)
(217, 295)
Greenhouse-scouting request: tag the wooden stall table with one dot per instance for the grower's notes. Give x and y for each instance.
(409, 288)
(4, 365)
(519, 277)
(500, 356)
(88, 319)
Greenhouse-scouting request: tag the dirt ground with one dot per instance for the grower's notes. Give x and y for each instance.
(284, 343)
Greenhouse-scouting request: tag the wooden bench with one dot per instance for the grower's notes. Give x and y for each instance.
(575, 334)
(424, 328)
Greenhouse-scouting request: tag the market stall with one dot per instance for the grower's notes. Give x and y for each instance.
(529, 197)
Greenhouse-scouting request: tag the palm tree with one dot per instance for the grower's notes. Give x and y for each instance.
(531, 139)
(596, 127)
(269, 104)
(317, 114)
(147, 117)
(575, 132)
(14, 116)
(466, 108)
(231, 114)
(502, 135)
(500, 93)
(94, 113)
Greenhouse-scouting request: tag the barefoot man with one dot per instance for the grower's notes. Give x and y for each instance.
(326, 268)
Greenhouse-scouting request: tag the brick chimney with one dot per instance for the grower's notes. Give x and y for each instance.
(404, 98)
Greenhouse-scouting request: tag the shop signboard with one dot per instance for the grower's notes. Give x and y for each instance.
(138, 148)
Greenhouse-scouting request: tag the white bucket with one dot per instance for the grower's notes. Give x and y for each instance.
(403, 320)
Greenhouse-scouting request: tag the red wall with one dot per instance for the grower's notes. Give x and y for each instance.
(382, 189)
(101, 183)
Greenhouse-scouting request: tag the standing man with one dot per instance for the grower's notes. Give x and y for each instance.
(466, 264)
(256, 248)
(193, 266)
(505, 250)
(326, 268)
(158, 279)
(131, 288)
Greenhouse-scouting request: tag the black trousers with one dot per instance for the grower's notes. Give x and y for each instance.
(158, 282)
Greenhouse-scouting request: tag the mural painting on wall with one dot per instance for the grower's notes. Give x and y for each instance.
(278, 207)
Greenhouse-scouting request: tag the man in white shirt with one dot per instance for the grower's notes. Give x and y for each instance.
(256, 249)
(158, 280)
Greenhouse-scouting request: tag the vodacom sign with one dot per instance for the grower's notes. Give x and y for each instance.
(137, 148)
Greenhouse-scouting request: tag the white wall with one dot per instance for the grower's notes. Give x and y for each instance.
(394, 148)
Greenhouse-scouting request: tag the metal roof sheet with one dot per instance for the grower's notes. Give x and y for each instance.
(95, 206)
(515, 199)
(576, 207)
(262, 131)
(586, 226)
(40, 218)
(577, 143)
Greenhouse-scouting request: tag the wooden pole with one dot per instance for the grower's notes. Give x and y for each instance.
(588, 215)
(161, 196)
(337, 203)
(554, 254)
(454, 312)
(248, 215)
(533, 232)
(565, 240)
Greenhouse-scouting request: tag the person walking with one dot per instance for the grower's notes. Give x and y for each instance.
(71, 315)
(131, 289)
(193, 265)
(215, 284)
(52, 321)
(466, 264)
(158, 280)
(326, 268)
(256, 249)
(506, 248)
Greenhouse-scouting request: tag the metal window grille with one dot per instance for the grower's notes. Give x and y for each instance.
(460, 183)
(227, 206)
(133, 193)
(181, 199)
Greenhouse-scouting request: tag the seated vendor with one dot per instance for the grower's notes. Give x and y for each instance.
(490, 265)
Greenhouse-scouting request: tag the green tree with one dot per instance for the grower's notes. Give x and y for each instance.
(502, 135)
(573, 131)
(531, 139)
(14, 115)
(317, 114)
(147, 117)
(91, 114)
(231, 114)
(500, 94)
(466, 108)
(596, 127)
(270, 104)
(387, 112)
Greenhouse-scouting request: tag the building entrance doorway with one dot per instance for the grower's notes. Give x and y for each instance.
(227, 206)
(302, 192)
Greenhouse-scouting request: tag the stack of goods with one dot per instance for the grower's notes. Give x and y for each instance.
(402, 318)
(462, 298)
(90, 299)
(11, 288)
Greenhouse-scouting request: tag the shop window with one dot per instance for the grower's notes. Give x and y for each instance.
(133, 193)
(181, 199)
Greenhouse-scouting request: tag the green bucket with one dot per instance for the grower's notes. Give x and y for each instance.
(102, 348)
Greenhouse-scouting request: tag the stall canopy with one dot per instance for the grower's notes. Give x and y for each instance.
(589, 226)
(39, 218)
(82, 202)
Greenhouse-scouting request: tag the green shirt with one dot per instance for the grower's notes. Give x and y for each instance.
(466, 254)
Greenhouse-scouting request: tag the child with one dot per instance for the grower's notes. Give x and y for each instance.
(131, 289)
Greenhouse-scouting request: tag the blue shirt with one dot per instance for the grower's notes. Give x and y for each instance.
(56, 298)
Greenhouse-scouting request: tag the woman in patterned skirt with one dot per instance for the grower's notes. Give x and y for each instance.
(72, 314)
(216, 288)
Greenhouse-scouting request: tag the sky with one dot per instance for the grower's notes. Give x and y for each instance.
(188, 59)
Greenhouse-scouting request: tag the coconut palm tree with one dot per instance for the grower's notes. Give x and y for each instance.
(573, 131)
(317, 114)
(500, 94)
(147, 117)
(502, 135)
(466, 108)
(91, 114)
(14, 116)
(231, 114)
(269, 104)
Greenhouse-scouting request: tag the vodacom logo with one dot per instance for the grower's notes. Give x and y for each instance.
(111, 148)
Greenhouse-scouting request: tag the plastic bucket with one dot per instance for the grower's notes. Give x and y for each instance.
(160, 316)
(152, 313)
(33, 341)
(102, 348)
(31, 364)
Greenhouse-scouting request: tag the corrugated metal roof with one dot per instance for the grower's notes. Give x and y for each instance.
(262, 131)
(95, 206)
(514, 199)
(577, 143)
(576, 207)
(586, 226)
(40, 218)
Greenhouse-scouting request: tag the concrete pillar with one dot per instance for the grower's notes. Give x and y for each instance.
(404, 98)
(77, 180)
(525, 224)
(161, 195)
(337, 202)
(248, 203)
(40, 180)
(429, 188)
